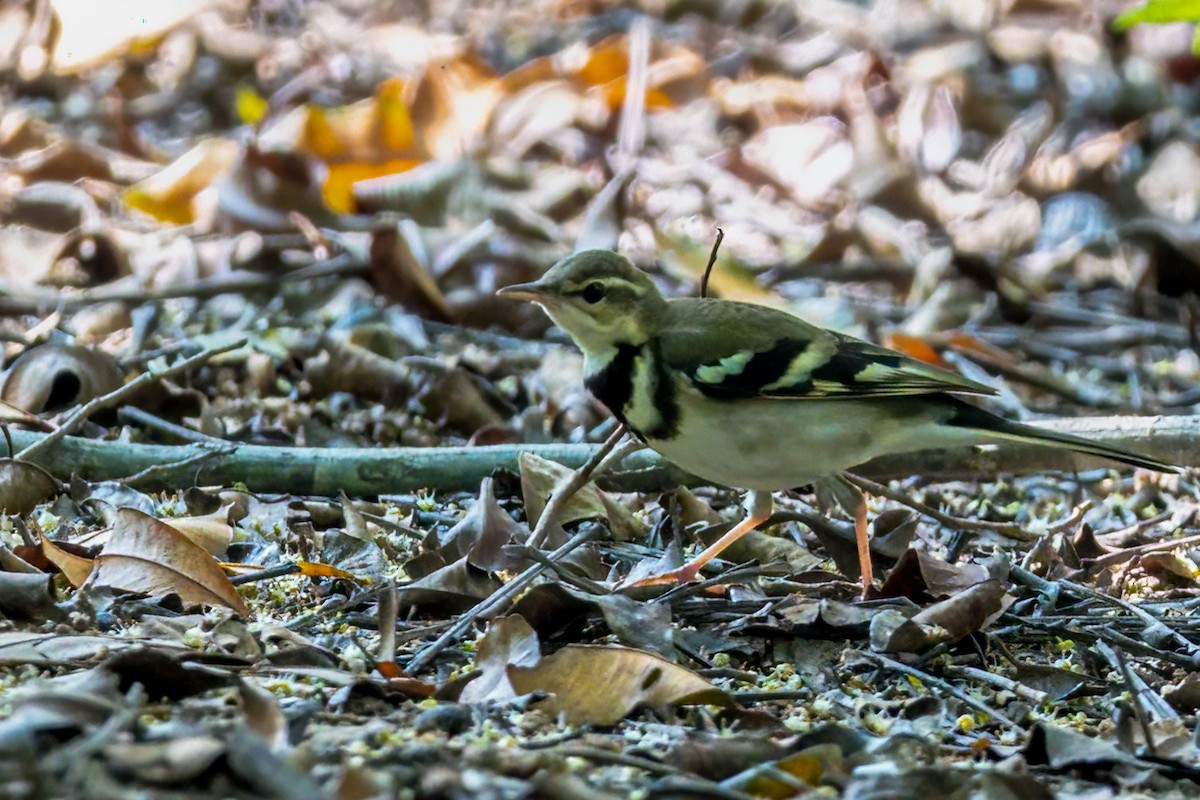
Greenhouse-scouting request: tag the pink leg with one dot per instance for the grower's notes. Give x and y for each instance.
(760, 507)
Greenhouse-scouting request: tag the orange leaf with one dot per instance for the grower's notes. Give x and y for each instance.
(453, 105)
(167, 195)
(338, 190)
(313, 569)
(914, 347)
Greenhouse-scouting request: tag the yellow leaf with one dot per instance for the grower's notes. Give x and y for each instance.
(251, 106)
(167, 195)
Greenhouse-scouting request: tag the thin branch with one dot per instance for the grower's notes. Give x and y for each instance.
(1009, 529)
(492, 605)
(941, 685)
(393, 470)
(120, 395)
(27, 301)
(562, 493)
(712, 260)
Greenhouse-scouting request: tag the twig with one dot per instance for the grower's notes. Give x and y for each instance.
(146, 419)
(999, 681)
(204, 454)
(631, 135)
(491, 605)
(1041, 585)
(269, 573)
(712, 260)
(1107, 560)
(607, 455)
(1135, 696)
(942, 685)
(375, 471)
(1008, 529)
(119, 395)
(566, 489)
(230, 283)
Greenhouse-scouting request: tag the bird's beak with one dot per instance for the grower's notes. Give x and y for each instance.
(535, 291)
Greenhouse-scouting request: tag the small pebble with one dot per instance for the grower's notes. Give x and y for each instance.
(450, 718)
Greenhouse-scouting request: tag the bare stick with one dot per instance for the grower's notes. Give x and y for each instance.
(237, 282)
(1009, 529)
(325, 471)
(941, 685)
(491, 606)
(119, 395)
(605, 457)
(712, 260)
(1135, 696)
(203, 454)
(631, 135)
(567, 488)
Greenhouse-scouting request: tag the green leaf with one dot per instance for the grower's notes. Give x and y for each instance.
(1158, 11)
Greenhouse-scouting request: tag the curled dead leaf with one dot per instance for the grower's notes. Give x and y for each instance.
(211, 531)
(601, 685)
(74, 567)
(145, 555)
(56, 376)
(23, 486)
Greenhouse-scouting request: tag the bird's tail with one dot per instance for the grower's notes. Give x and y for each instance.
(976, 419)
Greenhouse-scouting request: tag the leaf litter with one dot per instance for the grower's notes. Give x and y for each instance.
(245, 226)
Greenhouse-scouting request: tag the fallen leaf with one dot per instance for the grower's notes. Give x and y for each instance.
(23, 486)
(600, 685)
(211, 531)
(540, 476)
(169, 194)
(75, 568)
(508, 641)
(145, 555)
(54, 376)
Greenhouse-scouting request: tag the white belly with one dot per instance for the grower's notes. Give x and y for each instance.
(770, 444)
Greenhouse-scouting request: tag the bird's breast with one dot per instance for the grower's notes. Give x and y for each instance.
(634, 387)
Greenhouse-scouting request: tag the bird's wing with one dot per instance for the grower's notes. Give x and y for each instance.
(769, 353)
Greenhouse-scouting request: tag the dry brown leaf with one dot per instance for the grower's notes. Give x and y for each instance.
(509, 641)
(686, 260)
(539, 477)
(401, 277)
(600, 685)
(211, 531)
(27, 254)
(23, 485)
(54, 376)
(453, 105)
(145, 555)
(74, 567)
(263, 715)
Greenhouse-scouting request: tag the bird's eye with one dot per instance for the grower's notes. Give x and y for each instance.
(593, 293)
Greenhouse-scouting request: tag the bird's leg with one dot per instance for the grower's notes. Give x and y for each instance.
(758, 506)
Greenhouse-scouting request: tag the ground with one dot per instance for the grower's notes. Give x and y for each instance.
(286, 512)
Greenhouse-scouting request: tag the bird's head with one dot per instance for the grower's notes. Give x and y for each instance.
(598, 297)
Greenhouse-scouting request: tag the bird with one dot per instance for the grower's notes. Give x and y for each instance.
(754, 398)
